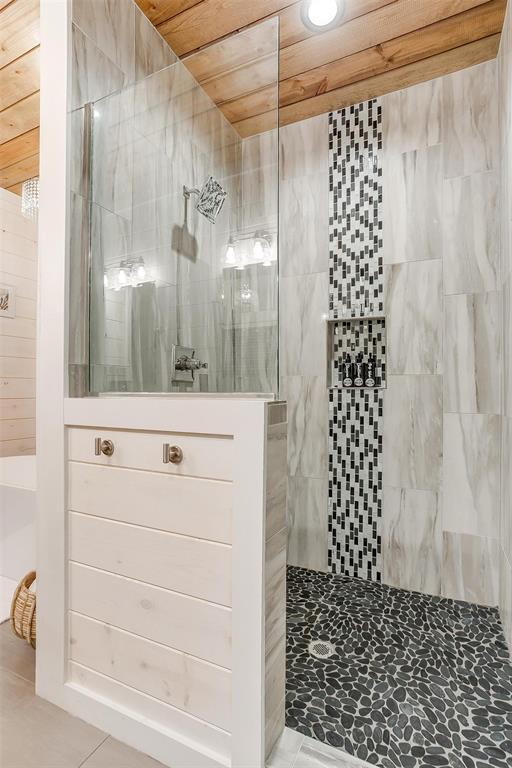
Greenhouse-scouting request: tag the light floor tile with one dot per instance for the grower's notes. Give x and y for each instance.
(286, 750)
(313, 754)
(15, 655)
(114, 754)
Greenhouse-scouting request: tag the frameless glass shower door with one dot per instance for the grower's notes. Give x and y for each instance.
(183, 225)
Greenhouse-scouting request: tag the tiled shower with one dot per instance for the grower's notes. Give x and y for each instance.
(399, 549)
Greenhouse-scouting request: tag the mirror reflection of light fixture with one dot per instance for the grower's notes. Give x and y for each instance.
(321, 15)
(230, 258)
(129, 273)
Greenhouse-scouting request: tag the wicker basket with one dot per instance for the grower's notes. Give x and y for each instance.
(23, 610)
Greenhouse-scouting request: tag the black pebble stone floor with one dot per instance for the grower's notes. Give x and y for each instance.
(415, 681)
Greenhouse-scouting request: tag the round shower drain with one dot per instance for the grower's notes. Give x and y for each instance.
(321, 649)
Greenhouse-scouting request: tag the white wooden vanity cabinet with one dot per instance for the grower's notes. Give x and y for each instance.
(171, 625)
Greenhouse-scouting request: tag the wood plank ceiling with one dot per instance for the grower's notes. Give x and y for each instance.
(379, 46)
(19, 92)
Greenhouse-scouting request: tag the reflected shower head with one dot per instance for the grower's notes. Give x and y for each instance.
(210, 200)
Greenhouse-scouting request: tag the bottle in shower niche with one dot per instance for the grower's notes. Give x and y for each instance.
(359, 371)
(346, 375)
(371, 368)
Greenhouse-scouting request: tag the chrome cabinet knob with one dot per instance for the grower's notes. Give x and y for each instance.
(172, 454)
(105, 447)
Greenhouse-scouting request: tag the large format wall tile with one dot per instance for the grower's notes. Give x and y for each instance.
(472, 346)
(470, 120)
(471, 474)
(412, 205)
(507, 345)
(412, 445)
(111, 28)
(304, 148)
(414, 302)
(412, 539)
(93, 74)
(412, 117)
(505, 592)
(506, 488)
(471, 233)
(152, 52)
(307, 522)
(303, 326)
(308, 419)
(470, 568)
(304, 240)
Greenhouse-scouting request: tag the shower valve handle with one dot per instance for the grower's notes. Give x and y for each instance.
(105, 447)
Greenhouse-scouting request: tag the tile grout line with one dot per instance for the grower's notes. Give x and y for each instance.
(80, 765)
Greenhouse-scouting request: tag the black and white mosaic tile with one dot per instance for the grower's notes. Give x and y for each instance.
(414, 681)
(356, 288)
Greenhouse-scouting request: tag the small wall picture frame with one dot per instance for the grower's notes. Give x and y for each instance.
(7, 301)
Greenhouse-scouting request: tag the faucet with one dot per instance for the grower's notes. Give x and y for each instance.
(186, 363)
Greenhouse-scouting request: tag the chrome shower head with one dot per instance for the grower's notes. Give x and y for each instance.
(210, 200)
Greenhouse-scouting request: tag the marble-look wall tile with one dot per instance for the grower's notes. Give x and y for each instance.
(412, 117)
(412, 443)
(93, 74)
(276, 479)
(472, 353)
(412, 541)
(471, 248)
(308, 420)
(505, 592)
(303, 327)
(507, 345)
(152, 52)
(307, 523)
(110, 24)
(414, 302)
(471, 474)
(412, 205)
(470, 568)
(304, 223)
(305, 148)
(506, 488)
(470, 120)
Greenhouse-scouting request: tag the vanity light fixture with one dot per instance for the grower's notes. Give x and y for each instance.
(129, 273)
(230, 258)
(30, 198)
(321, 15)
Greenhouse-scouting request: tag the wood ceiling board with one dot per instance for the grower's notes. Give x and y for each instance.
(251, 105)
(412, 74)
(252, 77)
(19, 79)
(482, 21)
(19, 172)
(161, 10)
(253, 44)
(258, 124)
(19, 148)
(213, 19)
(391, 21)
(16, 189)
(19, 29)
(20, 118)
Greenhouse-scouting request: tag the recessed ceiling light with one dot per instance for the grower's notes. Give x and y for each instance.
(320, 15)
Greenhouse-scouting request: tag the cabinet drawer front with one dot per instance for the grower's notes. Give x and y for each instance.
(192, 685)
(203, 456)
(185, 505)
(180, 563)
(178, 621)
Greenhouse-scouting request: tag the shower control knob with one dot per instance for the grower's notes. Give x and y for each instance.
(105, 447)
(172, 454)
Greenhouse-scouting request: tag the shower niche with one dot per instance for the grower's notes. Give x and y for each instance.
(356, 352)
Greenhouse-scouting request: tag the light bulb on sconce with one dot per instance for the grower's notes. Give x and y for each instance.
(105, 281)
(122, 276)
(140, 270)
(257, 251)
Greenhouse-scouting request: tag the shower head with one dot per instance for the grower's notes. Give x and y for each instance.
(210, 200)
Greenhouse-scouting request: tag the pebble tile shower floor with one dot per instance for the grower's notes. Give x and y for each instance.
(415, 681)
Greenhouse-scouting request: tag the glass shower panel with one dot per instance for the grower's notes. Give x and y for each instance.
(184, 225)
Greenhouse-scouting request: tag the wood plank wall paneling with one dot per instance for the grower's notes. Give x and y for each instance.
(375, 37)
(19, 92)
(18, 268)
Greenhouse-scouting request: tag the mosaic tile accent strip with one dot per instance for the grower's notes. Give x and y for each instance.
(356, 287)
(415, 681)
(355, 483)
(356, 271)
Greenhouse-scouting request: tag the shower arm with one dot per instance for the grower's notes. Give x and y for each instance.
(189, 191)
